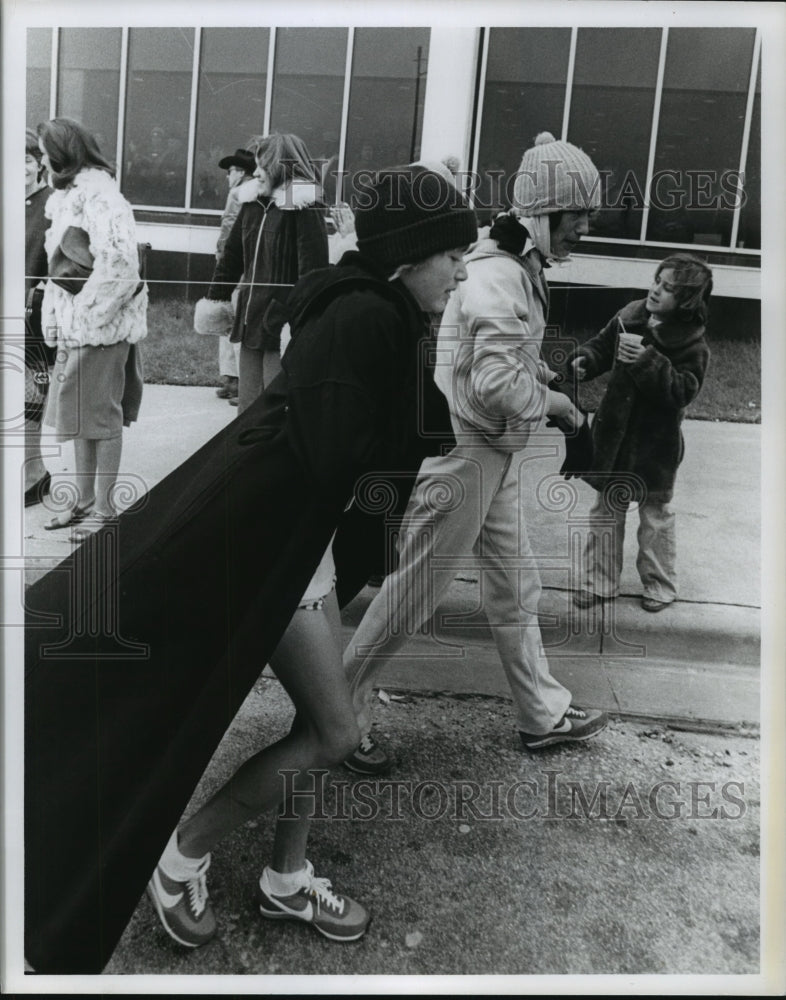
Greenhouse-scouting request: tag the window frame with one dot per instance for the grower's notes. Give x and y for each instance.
(641, 242)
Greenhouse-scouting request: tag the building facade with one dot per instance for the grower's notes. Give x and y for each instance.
(671, 117)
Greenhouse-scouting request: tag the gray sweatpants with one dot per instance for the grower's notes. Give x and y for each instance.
(466, 512)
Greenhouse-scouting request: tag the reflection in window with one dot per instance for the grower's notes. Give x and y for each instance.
(524, 94)
(388, 71)
(308, 88)
(89, 81)
(611, 109)
(230, 105)
(749, 233)
(39, 75)
(696, 163)
(158, 99)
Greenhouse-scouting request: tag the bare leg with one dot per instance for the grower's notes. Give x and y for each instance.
(108, 452)
(85, 470)
(289, 845)
(308, 663)
(34, 463)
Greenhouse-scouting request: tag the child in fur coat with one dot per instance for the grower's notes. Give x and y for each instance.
(658, 357)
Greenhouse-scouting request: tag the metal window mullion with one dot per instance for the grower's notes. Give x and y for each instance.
(192, 115)
(342, 133)
(53, 79)
(121, 104)
(746, 133)
(271, 68)
(645, 216)
(569, 83)
(484, 59)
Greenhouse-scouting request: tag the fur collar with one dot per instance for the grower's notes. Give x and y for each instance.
(293, 195)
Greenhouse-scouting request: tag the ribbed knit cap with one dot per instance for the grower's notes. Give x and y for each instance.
(554, 177)
(406, 214)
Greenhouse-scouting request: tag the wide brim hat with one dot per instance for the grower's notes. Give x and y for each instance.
(241, 158)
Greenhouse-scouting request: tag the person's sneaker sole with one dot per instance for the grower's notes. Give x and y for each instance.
(162, 916)
(280, 915)
(369, 770)
(335, 917)
(593, 728)
(360, 762)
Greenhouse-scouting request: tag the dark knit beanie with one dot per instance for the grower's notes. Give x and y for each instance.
(406, 214)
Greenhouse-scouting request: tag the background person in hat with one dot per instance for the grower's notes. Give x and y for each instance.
(240, 167)
(470, 502)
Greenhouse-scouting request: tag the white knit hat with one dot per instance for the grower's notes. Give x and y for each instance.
(554, 177)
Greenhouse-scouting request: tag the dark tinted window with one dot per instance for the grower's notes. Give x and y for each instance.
(230, 104)
(158, 105)
(89, 82)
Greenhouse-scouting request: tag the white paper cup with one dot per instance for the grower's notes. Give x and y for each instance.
(627, 340)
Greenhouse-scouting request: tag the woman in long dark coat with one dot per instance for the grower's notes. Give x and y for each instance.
(131, 681)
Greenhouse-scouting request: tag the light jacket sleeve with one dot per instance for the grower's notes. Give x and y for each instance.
(504, 373)
(229, 265)
(231, 212)
(109, 222)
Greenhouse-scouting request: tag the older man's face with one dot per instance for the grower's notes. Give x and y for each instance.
(568, 232)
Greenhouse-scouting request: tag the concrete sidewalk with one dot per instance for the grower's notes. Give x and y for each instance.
(697, 661)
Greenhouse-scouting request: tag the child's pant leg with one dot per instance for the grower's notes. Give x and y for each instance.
(604, 549)
(510, 595)
(656, 561)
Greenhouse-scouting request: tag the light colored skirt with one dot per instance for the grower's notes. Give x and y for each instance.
(94, 391)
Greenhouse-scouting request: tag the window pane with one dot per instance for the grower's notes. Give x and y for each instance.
(611, 110)
(706, 80)
(39, 60)
(749, 234)
(230, 104)
(308, 87)
(158, 100)
(388, 71)
(524, 94)
(89, 81)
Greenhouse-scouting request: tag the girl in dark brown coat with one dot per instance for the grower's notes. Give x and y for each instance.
(658, 357)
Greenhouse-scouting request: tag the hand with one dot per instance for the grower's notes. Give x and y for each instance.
(579, 367)
(570, 418)
(628, 352)
(343, 218)
(575, 418)
(629, 347)
(545, 374)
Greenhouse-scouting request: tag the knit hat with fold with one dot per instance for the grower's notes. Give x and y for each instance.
(406, 214)
(555, 177)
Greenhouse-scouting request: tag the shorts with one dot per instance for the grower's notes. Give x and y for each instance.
(322, 582)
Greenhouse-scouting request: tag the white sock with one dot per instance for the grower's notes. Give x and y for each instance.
(176, 865)
(287, 883)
